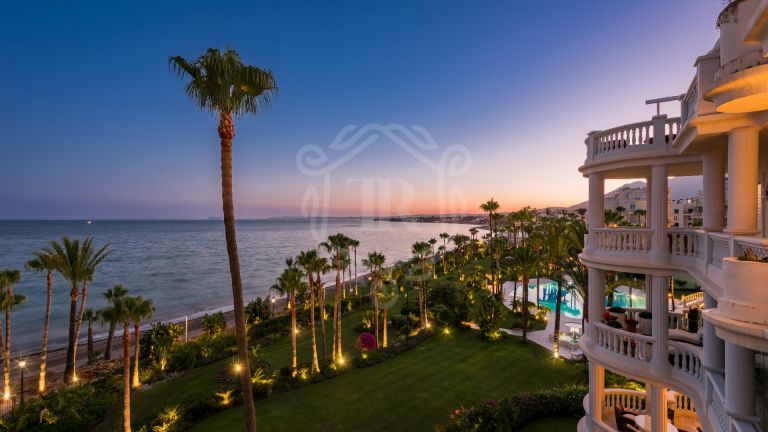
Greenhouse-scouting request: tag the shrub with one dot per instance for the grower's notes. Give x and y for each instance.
(277, 325)
(258, 310)
(72, 409)
(488, 312)
(514, 412)
(645, 315)
(184, 357)
(366, 342)
(214, 324)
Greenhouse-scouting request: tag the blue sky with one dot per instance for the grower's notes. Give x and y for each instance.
(94, 124)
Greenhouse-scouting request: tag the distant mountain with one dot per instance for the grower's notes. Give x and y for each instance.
(634, 185)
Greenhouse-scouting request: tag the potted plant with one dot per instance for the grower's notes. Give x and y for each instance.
(613, 324)
(607, 317)
(644, 321)
(618, 312)
(630, 325)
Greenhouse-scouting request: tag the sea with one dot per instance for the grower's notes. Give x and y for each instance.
(182, 265)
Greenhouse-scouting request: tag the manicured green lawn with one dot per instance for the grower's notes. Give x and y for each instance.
(413, 391)
(145, 405)
(555, 424)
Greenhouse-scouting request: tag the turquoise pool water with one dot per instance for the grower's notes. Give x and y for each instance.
(571, 305)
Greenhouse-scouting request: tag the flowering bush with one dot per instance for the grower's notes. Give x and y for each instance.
(366, 342)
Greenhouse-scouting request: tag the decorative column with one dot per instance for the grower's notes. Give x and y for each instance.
(714, 347)
(658, 214)
(596, 294)
(596, 208)
(713, 167)
(596, 394)
(659, 326)
(739, 382)
(658, 409)
(742, 181)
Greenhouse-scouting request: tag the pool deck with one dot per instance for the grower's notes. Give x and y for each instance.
(568, 349)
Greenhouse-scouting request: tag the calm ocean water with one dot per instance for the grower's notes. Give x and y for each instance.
(182, 265)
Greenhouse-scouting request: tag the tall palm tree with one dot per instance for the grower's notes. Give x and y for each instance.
(575, 268)
(490, 206)
(473, 233)
(432, 242)
(142, 309)
(386, 294)
(111, 295)
(556, 250)
(442, 251)
(123, 309)
(290, 284)
(620, 210)
(9, 301)
(44, 263)
(77, 263)
(222, 84)
(640, 213)
(355, 244)
(375, 264)
(420, 251)
(526, 261)
(445, 236)
(336, 245)
(90, 317)
(322, 267)
(308, 260)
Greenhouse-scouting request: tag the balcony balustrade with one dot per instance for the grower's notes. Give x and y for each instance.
(636, 138)
(624, 343)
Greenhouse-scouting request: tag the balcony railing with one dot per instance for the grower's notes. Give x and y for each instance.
(686, 359)
(629, 240)
(655, 134)
(624, 343)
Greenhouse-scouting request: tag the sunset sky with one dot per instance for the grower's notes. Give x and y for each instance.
(95, 125)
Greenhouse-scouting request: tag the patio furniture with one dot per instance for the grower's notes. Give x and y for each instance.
(643, 419)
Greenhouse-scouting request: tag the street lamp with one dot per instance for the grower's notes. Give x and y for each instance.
(22, 364)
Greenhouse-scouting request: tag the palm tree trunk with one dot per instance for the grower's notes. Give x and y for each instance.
(315, 363)
(322, 313)
(81, 314)
(337, 311)
(69, 368)
(2, 353)
(292, 300)
(424, 295)
(537, 290)
(356, 292)
(91, 356)
(525, 308)
(126, 379)
(514, 294)
(136, 382)
(108, 348)
(7, 356)
(46, 324)
(556, 335)
(384, 343)
(376, 308)
(227, 134)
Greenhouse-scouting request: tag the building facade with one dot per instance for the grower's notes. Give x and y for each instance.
(713, 379)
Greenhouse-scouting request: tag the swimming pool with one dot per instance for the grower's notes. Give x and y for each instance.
(571, 305)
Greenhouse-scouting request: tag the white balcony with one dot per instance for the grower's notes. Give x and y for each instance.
(637, 140)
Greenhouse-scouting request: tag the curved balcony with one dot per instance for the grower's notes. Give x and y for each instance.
(636, 140)
(635, 403)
